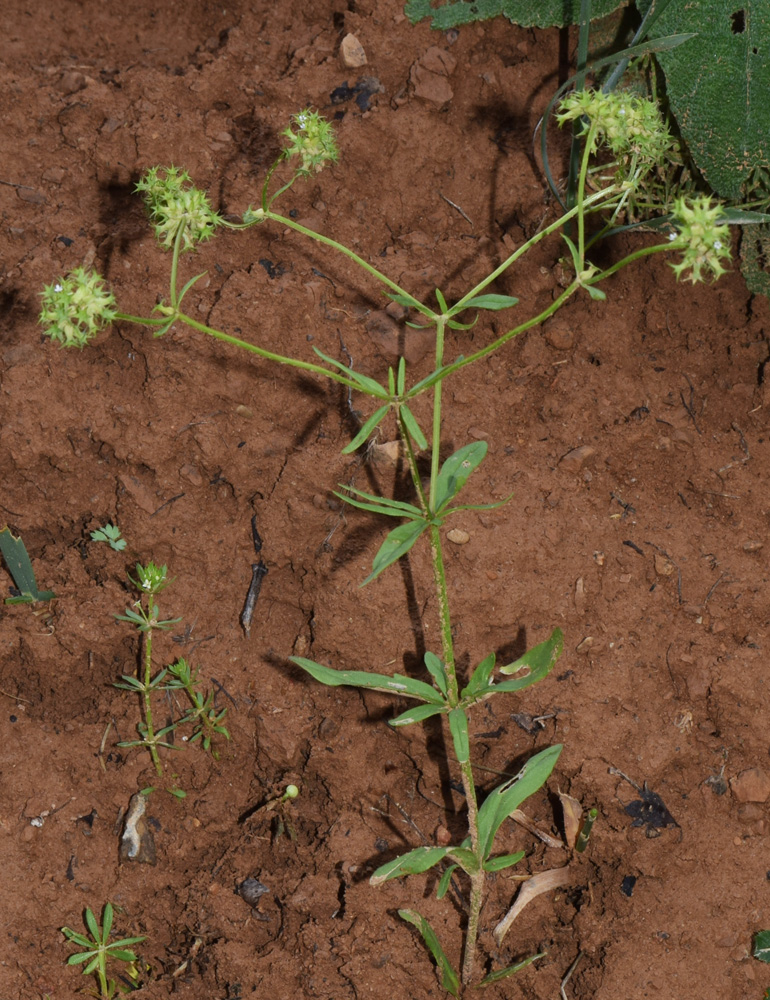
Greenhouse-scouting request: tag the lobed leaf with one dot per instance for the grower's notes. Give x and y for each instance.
(398, 684)
(449, 978)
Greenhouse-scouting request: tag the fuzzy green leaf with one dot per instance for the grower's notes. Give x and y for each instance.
(398, 684)
(504, 799)
(417, 714)
(436, 669)
(538, 661)
(412, 863)
(397, 543)
(458, 726)
(465, 858)
(454, 473)
(762, 946)
(449, 978)
(366, 430)
(503, 861)
(528, 13)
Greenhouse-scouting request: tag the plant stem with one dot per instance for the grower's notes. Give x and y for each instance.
(147, 697)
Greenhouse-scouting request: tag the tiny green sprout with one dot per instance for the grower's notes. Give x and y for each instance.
(291, 792)
(98, 949)
(313, 142)
(176, 205)
(76, 308)
(152, 578)
(110, 533)
(703, 238)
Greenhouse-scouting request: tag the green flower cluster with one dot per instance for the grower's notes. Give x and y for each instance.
(76, 308)
(704, 240)
(313, 142)
(174, 202)
(627, 124)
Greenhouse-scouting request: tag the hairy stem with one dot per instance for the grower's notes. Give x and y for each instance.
(147, 697)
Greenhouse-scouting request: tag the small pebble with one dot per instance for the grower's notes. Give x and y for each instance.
(352, 54)
(458, 536)
(251, 889)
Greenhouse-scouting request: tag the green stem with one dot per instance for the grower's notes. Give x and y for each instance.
(147, 696)
(435, 455)
(272, 356)
(582, 201)
(175, 264)
(472, 930)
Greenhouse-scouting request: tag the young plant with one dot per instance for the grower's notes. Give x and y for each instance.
(98, 950)
(182, 218)
(110, 533)
(202, 715)
(20, 567)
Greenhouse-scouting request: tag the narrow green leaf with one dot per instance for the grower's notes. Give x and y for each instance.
(94, 964)
(401, 381)
(449, 978)
(93, 925)
(477, 506)
(368, 385)
(458, 726)
(107, 916)
(573, 252)
(406, 300)
(387, 507)
(596, 293)
(454, 324)
(442, 302)
(480, 677)
(407, 509)
(434, 377)
(495, 977)
(455, 471)
(412, 863)
(417, 714)
(391, 382)
(413, 427)
(444, 882)
(762, 946)
(80, 957)
(397, 543)
(366, 430)
(20, 567)
(503, 861)
(436, 669)
(504, 799)
(492, 301)
(398, 684)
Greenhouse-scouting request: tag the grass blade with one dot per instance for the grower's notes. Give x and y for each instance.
(449, 978)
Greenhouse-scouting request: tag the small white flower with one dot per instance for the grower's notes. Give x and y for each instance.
(672, 237)
(717, 244)
(57, 288)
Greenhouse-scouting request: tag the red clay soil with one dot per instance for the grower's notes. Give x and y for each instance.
(648, 548)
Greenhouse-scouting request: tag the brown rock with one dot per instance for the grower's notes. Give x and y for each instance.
(751, 785)
(574, 460)
(430, 86)
(71, 82)
(560, 337)
(663, 565)
(352, 54)
(438, 61)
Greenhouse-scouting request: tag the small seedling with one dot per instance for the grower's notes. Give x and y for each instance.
(98, 950)
(110, 533)
(20, 567)
(206, 719)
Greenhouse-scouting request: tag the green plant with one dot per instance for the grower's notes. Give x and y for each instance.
(20, 567)
(110, 533)
(711, 61)
(202, 715)
(98, 949)
(698, 233)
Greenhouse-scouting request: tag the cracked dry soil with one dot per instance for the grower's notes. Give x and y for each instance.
(648, 547)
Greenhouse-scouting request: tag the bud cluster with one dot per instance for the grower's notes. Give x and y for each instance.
(75, 308)
(173, 202)
(313, 142)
